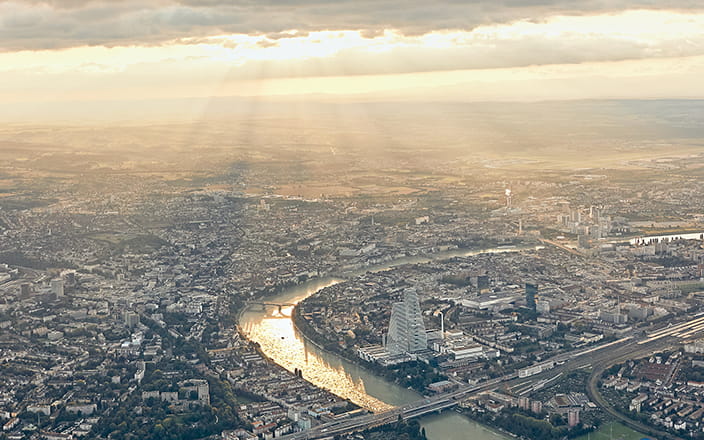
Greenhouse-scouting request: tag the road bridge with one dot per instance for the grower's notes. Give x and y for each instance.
(264, 305)
(562, 246)
(600, 355)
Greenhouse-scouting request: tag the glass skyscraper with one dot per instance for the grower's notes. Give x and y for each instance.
(406, 329)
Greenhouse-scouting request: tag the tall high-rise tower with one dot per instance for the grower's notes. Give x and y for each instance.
(406, 329)
(57, 288)
(131, 319)
(25, 290)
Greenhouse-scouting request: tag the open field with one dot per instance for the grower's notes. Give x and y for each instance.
(615, 431)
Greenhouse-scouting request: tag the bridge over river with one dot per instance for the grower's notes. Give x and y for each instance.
(264, 305)
(282, 343)
(603, 354)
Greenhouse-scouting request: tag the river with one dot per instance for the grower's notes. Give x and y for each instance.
(280, 341)
(659, 238)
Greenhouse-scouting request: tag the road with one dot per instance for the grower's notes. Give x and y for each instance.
(442, 401)
(561, 246)
(597, 398)
(598, 358)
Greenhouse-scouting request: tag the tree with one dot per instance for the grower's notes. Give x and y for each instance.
(557, 420)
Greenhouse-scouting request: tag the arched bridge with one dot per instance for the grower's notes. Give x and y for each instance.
(264, 304)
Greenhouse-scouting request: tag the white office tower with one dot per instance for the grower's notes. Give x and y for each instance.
(131, 319)
(406, 329)
(57, 287)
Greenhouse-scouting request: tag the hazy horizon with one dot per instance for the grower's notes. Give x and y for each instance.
(351, 219)
(56, 54)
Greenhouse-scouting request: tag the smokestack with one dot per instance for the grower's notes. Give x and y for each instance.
(442, 325)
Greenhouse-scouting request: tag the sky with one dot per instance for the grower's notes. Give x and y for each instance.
(476, 50)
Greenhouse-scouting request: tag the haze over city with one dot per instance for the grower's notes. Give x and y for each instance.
(351, 220)
(96, 51)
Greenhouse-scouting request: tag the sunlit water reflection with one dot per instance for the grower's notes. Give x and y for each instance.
(282, 343)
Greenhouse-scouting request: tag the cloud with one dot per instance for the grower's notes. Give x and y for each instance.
(53, 24)
(489, 54)
(559, 40)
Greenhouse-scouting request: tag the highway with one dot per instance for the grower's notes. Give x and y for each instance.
(598, 357)
(439, 402)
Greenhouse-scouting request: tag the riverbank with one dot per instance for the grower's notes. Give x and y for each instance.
(397, 373)
(436, 426)
(524, 424)
(329, 280)
(280, 341)
(315, 338)
(352, 405)
(285, 343)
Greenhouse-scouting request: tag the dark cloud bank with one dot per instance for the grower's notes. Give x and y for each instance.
(57, 24)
